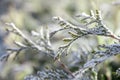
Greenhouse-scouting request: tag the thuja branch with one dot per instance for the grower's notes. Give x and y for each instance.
(100, 29)
(35, 46)
(23, 36)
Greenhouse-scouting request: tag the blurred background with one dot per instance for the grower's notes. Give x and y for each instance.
(30, 15)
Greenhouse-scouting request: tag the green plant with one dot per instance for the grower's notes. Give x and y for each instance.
(92, 25)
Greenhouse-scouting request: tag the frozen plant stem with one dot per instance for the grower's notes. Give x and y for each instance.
(37, 46)
(75, 33)
(23, 36)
